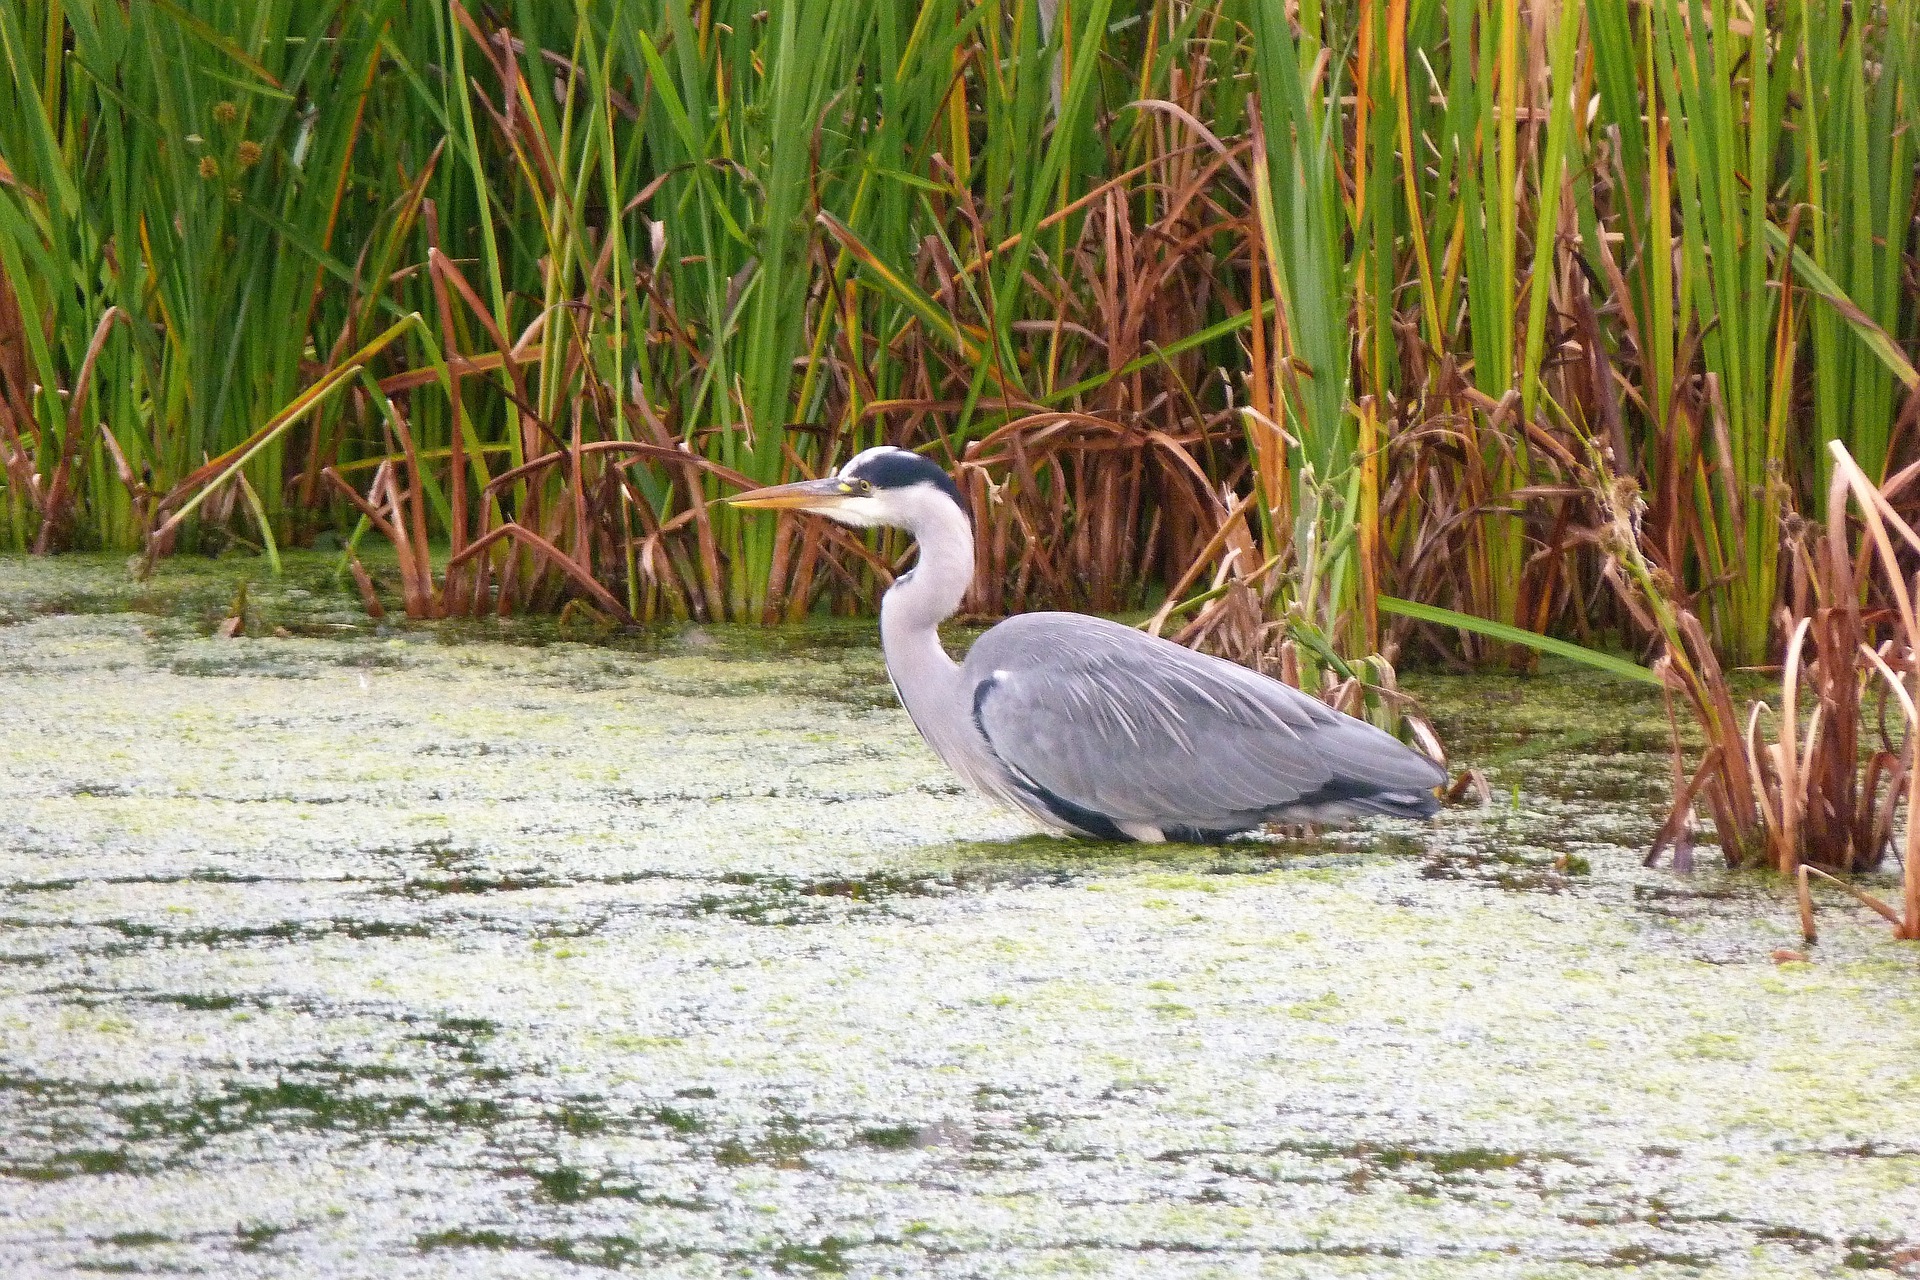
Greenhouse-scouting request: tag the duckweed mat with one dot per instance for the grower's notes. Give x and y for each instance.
(498, 949)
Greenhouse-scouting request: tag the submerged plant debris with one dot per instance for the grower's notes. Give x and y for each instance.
(338, 948)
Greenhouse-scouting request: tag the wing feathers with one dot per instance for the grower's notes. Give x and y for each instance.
(1141, 730)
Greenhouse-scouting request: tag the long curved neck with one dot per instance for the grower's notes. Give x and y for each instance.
(918, 602)
(931, 685)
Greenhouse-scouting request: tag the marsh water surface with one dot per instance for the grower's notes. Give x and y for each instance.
(344, 949)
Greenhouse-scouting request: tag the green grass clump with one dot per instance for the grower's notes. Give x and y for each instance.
(525, 288)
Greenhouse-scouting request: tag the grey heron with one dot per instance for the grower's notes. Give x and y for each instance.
(1095, 728)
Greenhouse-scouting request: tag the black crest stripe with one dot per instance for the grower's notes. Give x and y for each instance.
(898, 469)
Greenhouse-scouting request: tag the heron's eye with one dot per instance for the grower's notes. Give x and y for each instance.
(866, 486)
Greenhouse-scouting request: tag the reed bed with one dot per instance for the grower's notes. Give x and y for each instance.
(1311, 325)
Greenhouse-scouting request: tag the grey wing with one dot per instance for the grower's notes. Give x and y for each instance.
(1109, 721)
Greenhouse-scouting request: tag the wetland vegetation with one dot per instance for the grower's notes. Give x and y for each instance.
(437, 829)
(1347, 333)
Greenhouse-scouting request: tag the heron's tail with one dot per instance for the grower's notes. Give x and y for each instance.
(1400, 804)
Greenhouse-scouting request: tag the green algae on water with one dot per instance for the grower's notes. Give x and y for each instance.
(483, 949)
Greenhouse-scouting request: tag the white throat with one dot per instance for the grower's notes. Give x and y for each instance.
(932, 590)
(919, 601)
(933, 688)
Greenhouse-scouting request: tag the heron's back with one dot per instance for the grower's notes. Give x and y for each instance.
(1116, 733)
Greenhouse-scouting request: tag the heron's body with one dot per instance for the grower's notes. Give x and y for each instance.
(1091, 727)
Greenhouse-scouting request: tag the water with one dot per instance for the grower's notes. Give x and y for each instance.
(479, 950)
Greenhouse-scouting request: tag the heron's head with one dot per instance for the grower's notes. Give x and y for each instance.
(884, 485)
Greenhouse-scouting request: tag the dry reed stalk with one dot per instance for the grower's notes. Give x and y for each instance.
(1804, 803)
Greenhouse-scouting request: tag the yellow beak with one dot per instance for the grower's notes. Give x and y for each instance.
(808, 494)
